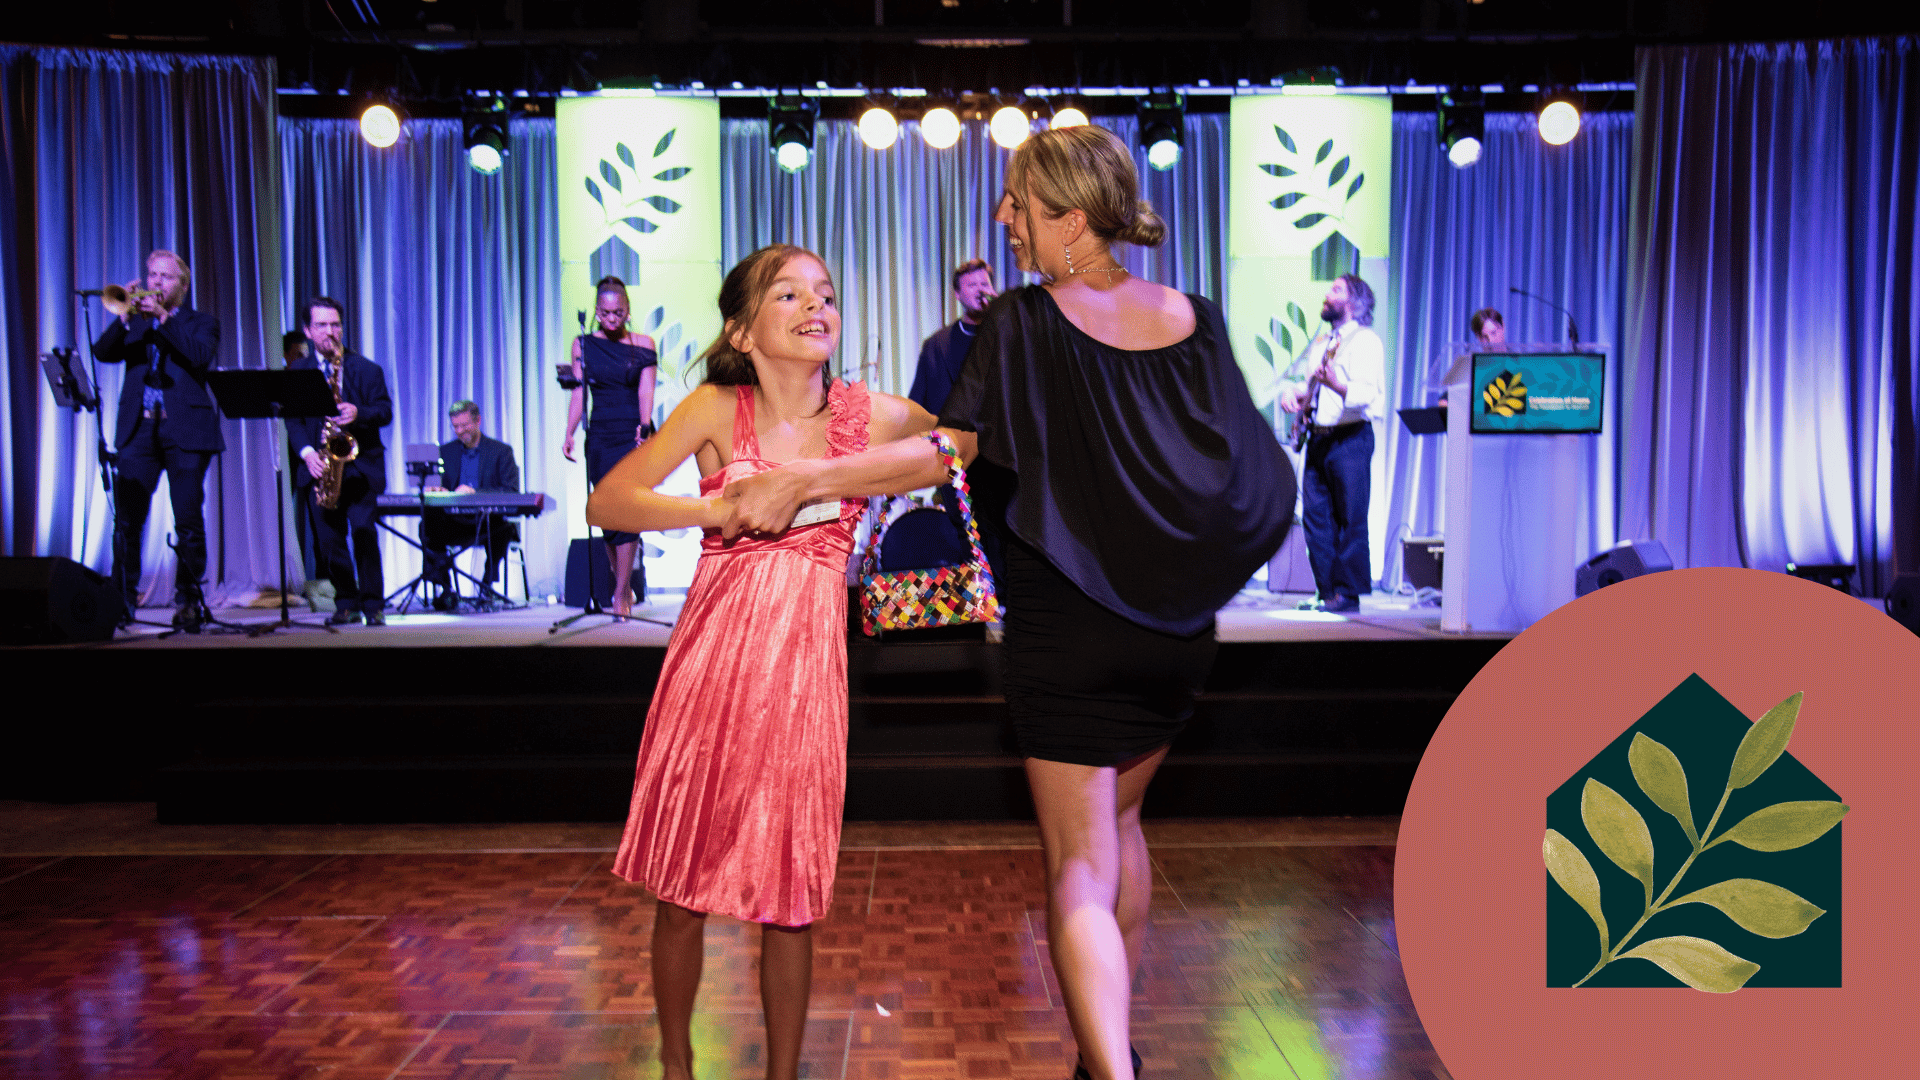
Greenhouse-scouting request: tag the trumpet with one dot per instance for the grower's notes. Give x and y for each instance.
(119, 300)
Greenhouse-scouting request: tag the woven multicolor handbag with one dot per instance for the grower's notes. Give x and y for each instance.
(938, 575)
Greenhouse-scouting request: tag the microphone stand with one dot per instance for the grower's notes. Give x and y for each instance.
(1573, 333)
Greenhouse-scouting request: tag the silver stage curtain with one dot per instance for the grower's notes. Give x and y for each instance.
(892, 224)
(109, 156)
(451, 282)
(1772, 329)
(1547, 219)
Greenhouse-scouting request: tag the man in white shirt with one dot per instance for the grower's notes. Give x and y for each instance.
(1343, 394)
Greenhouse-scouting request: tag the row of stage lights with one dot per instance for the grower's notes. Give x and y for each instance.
(790, 127)
(1461, 112)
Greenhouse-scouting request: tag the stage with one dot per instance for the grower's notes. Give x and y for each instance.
(491, 718)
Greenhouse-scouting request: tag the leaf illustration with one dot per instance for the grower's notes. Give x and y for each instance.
(1320, 155)
(625, 155)
(1309, 221)
(1286, 341)
(609, 174)
(1339, 170)
(1505, 395)
(1572, 872)
(662, 204)
(665, 141)
(1276, 170)
(654, 317)
(1286, 140)
(639, 224)
(593, 189)
(1298, 316)
(1355, 186)
(1287, 200)
(1697, 962)
(1764, 742)
(1260, 346)
(1659, 773)
(1785, 826)
(672, 174)
(672, 338)
(1759, 907)
(1619, 831)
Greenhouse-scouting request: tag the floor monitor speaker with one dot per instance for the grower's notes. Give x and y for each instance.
(1627, 559)
(1903, 601)
(54, 601)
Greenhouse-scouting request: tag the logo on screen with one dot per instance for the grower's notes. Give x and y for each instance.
(1506, 395)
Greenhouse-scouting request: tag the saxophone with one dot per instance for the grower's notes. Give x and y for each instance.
(337, 447)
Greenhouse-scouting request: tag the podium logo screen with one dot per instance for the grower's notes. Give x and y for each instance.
(1537, 393)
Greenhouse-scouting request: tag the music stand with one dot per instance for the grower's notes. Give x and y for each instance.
(276, 395)
(72, 390)
(1431, 420)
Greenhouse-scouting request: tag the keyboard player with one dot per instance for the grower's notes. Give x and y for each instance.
(472, 462)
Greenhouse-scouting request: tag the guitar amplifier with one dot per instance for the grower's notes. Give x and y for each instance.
(1422, 560)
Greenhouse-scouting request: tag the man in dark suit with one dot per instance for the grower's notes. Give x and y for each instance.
(471, 462)
(167, 423)
(359, 588)
(942, 354)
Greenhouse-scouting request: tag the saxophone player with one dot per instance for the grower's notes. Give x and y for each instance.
(359, 589)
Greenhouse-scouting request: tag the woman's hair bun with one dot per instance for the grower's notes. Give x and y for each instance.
(1146, 229)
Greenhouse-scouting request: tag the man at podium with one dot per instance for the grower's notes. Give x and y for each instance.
(471, 462)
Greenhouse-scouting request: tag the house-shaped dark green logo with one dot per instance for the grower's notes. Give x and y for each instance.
(1694, 851)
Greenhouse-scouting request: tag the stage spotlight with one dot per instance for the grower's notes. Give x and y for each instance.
(380, 125)
(1010, 126)
(1069, 117)
(1162, 118)
(940, 127)
(1559, 118)
(1462, 123)
(790, 131)
(878, 128)
(485, 137)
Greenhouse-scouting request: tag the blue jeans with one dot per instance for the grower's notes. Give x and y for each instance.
(1338, 482)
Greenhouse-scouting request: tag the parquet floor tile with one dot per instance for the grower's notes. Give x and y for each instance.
(177, 967)
(464, 884)
(1259, 962)
(126, 1047)
(574, 1047)
(149, 886)
(12, 866)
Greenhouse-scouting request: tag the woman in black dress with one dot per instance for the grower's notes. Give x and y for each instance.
(1114, 445)
(620, 366)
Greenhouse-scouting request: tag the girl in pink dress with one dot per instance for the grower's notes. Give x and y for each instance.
(742, 773)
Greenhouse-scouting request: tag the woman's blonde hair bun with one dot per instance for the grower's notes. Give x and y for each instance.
(1087, 168)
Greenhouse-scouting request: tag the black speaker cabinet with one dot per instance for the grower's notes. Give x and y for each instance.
(1903, 601)
(1423, 561)
(54, 601)
(578, 552)
(1627, 559)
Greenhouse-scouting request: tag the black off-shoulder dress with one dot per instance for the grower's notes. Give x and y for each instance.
(613, 370)
(1138, 491)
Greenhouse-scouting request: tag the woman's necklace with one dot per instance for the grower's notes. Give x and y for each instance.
(1098, 270)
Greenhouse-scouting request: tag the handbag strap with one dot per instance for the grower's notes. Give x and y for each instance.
(957, 476)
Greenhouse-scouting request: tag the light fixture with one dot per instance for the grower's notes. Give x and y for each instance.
(940, 127)
(790, 131)
(1462, 122)
(1010, 126)
(878, 127)
(1069, 117)
(1559, 114)
(380, 125)
(484, 134)
(1162, 117)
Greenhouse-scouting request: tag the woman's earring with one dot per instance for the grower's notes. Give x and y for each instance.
(1067, 250)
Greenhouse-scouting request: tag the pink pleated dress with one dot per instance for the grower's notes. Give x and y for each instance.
(742, 776)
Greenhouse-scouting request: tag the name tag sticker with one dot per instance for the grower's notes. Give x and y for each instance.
(818, 512)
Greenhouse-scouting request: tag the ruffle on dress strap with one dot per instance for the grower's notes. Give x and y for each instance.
(852, 409)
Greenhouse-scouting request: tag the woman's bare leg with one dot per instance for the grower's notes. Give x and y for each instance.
(786, 984)
(1097, 872)
(622, 559)
(678, 937)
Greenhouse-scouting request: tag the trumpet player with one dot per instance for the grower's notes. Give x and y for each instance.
(359, 588)
(167, 423)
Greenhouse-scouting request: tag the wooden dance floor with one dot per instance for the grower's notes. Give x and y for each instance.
(134, 950)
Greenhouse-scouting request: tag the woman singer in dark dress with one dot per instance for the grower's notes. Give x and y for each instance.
(620, 365)
(1137, 488)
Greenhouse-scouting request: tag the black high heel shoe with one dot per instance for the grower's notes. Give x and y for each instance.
(1080, 1069)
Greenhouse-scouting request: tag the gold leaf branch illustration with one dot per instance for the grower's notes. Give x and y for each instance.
(1621, 834)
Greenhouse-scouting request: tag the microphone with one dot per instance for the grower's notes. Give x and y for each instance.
(89, 292)
(1573, 333)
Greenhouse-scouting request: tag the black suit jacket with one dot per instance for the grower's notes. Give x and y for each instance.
(174, 356)
(365, 385)
(498, 470)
